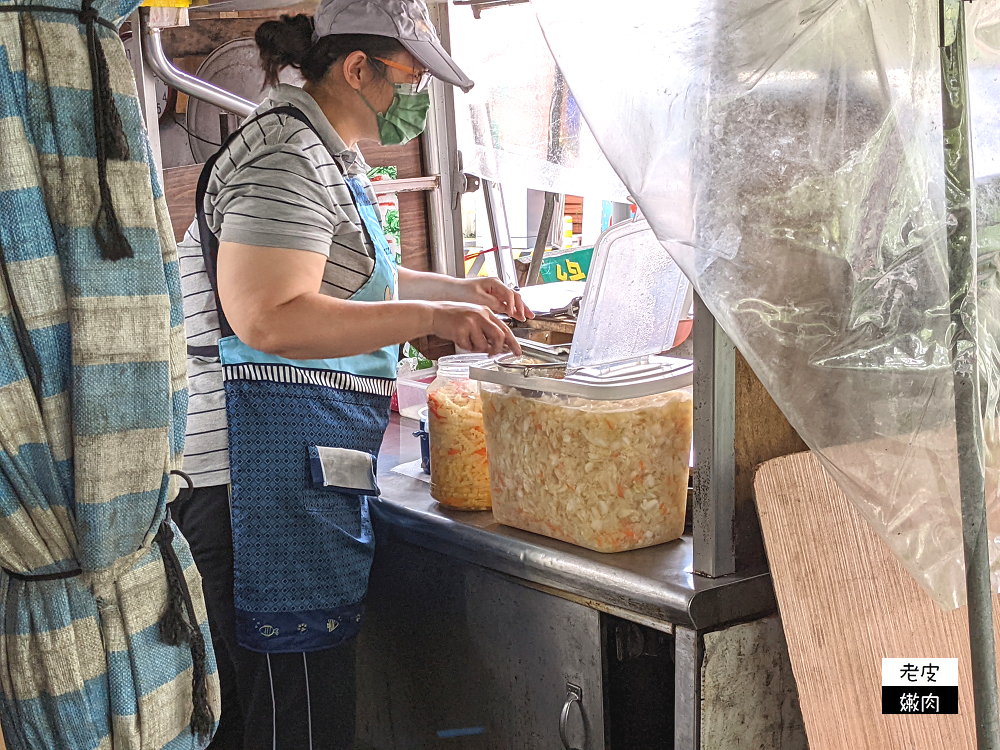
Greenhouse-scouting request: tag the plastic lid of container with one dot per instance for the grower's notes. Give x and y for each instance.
(457, 365)
(653, 375)
(635, 297)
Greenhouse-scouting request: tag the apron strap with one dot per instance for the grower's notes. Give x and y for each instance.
(209, 242)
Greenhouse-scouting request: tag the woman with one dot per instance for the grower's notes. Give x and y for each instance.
(311, 309)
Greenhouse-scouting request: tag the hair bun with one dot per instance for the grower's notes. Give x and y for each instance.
(283, 43)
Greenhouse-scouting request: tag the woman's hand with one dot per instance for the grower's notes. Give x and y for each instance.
(488, 292)
(492, 293)
(473, 327)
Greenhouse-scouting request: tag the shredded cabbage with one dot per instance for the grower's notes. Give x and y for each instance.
(605, 475)
(459, 466)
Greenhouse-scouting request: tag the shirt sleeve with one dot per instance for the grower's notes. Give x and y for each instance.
(278, 199)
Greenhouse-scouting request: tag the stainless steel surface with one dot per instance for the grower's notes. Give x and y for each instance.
(442, 158)
(687, 689)
(574, 695)
(456, 656)
(633, 617)
(714, 498)
(657, 582)
(156, 58)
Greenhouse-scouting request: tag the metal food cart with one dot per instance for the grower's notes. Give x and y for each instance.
(483, 636)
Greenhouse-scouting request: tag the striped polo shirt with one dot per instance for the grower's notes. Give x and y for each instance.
(276, 185)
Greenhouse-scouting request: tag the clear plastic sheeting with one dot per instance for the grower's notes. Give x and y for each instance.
(520, 124)
(789, 154)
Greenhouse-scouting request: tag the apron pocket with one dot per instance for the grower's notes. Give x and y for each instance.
(344, 470)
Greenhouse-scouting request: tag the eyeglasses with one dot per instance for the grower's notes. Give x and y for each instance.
(421, 78)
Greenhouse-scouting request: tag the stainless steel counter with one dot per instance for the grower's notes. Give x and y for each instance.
(655, 583)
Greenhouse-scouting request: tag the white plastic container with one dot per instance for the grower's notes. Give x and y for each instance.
(596, 451)
(411, 392)
(412, 395)
(606, 474)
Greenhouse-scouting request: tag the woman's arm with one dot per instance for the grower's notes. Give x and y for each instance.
(489, 292)
(272, 300)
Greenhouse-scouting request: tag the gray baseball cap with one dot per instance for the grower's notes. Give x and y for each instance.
(404, 20)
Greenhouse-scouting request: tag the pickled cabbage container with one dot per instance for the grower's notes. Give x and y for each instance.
(594, 449)
(459, 465)
(606, 474)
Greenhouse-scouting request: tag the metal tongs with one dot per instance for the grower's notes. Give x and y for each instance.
(555, 354)
(551, 358)
(571, 311)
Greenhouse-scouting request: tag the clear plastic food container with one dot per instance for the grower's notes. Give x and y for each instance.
(608, 475)
(592, 448)
(459, 465)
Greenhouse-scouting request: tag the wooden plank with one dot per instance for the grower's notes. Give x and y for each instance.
(846, 603)
(414, 232)
(201, 38)
(406, 159)
(307, 7)
(433, 347)
(180, 185)
(762, 433)
(414, 238)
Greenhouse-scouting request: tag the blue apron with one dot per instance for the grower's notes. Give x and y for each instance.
(303, 442)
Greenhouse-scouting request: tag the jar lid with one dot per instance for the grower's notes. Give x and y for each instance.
(457, 365)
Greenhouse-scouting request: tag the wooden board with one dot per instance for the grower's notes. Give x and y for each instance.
(762, 433)
(202, 38)
(846, 603)
(414, 235)
(179, 186)
(308, 7)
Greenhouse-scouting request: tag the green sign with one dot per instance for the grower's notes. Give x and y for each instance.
(566, 265)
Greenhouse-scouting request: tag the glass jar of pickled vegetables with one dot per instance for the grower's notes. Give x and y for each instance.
(460, 475)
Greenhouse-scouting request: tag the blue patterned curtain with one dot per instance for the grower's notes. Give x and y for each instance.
(93, 405)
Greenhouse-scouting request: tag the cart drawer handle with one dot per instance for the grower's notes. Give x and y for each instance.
(574, 694)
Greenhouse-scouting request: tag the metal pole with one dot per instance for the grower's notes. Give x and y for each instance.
(442, 157)
(145, 86)
(157, 60)
(541, 239)
(687, 689)
(713, 512)
(962, 261)
(496, 215)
